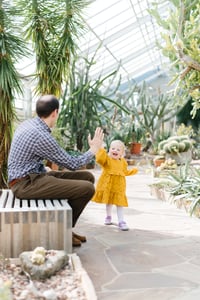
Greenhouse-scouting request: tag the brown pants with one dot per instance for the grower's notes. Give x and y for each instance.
(75, 186)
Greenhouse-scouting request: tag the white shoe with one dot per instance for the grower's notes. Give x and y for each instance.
(108, 220)
(123, 226)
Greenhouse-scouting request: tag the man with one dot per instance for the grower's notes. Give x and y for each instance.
(32, 144)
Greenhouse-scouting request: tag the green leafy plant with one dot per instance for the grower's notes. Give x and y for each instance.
(138, 133)
(183, 184)
(12, 49)
(87, 103)
(193, 191)
(179, 179)
(187, 188)
(53, 30)
(152, 112)
(185, 130)
(181, 45)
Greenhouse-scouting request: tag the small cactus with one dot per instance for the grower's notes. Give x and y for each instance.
(175, 144)
(39, 255)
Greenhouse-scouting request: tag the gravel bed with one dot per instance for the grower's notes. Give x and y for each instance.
(65, 285)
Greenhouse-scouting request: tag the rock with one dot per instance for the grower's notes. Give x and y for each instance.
(54, 261)
(50, 295)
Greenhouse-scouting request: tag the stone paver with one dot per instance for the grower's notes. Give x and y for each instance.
(158, 258)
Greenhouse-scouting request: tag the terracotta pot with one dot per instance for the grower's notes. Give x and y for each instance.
(158, 162)
(136, 148)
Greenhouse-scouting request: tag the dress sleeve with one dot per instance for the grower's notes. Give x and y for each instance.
(127, 171)
(101, 157)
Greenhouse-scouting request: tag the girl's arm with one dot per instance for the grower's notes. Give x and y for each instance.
(131, 172)
(101, 157)
(127, 171)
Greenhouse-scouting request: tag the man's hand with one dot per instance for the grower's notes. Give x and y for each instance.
(97, 141)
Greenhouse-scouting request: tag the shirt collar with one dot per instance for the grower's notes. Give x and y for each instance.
(43, 124)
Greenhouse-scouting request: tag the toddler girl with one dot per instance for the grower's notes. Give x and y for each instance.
(111, 186)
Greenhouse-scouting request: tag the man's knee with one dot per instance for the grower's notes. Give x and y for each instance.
(89, 190)
(89, 176)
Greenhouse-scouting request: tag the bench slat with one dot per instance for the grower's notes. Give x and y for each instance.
(26, 224)
(17, 203)
(40, 204)
(10, 200)
(24, 204)
(56, 203)
(4, 196)
(64, 202)
(49, 204)
(33, 203)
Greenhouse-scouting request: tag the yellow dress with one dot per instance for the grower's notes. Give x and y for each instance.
(111, 186)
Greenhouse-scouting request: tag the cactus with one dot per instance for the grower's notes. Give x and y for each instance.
(175, 144)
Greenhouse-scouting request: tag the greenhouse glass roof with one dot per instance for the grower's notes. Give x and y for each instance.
(127, 34)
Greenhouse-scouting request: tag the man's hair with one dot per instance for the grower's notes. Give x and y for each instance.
(45, 105)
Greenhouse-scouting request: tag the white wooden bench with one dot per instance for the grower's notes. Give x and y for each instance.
(27, 224)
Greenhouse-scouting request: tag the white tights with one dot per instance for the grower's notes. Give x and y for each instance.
(120, 212)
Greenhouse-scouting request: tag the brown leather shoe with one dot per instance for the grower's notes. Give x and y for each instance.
(75, 242)
(81, 238)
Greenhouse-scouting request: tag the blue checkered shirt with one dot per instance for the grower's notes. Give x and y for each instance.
(32, 144)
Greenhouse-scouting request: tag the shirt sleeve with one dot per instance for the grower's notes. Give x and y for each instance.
(48, 148)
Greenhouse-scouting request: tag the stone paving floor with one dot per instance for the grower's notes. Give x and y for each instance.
(157, 259)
